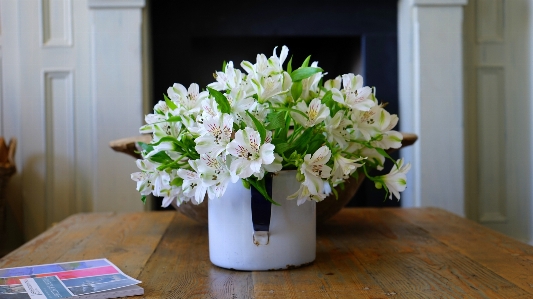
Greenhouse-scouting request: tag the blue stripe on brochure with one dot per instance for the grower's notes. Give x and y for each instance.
(93, 280)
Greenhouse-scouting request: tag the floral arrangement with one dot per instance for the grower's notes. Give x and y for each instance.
(260, 121)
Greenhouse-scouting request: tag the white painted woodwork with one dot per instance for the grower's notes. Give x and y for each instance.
(431, 101)
(74, 84)
(498, 73)
(118, 103)
(489, 17)
(56, 16)
(491, 126)
(60, 158)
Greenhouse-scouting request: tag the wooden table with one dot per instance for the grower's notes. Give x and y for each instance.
(361, 253)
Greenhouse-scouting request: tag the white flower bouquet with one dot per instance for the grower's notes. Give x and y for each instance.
(249, 124)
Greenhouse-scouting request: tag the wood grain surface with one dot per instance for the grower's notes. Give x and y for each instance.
(361, 253)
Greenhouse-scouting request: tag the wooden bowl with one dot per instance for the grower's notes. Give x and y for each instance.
(324, 209)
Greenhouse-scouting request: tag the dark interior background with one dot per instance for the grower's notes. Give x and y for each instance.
(190, 42)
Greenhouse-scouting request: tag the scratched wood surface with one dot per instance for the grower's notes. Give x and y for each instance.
(361, 253)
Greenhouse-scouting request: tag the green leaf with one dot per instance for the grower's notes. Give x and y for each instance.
(259, 126)
(175, 118)
(169, 102)
(336, 193)
(165, 139)
(306, 61)
(296, 90)
(276, 120)
(143, 199)
(327, 98)
(221, 100)
(260, 186)
(303, 140)
(316, 143)
(161, 158)
(284, 132)
(304, 72)
(281, 147)
(289, 66)
(245, 184)
(385, 154)
(145, 147)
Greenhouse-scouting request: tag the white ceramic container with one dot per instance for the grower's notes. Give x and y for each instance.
(291, 240)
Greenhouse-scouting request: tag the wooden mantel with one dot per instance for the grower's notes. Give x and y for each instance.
(361, 253)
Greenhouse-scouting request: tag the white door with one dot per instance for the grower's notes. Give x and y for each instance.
(57, 103)
(498, 111)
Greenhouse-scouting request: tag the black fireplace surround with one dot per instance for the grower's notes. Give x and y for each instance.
(190, 42)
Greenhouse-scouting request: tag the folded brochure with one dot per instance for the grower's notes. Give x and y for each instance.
(89, 279)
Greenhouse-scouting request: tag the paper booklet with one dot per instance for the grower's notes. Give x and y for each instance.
(89, 279)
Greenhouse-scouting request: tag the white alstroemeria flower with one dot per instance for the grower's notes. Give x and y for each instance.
(209, 108)
(310, 85)
(147, 177)
(275, 166)
(239, 102)
(389, 139)
(193, 185)
(285, 96)
(209, 111)
(260, 69)
(190, 100)
(162, 108)
(169, 195)
(357, 97)
(343, 167)
(249, 153)
(151, 120)
(334, 85)
(316, 113)
(215, 174)
(314, 169)
(372, 156)
(259, 111)
(396, 180)
(367, 123)
(277, 63)
(386, 121)
(164, 129)
(228, 79)
(216, 134)
(337, 129)
(267, 87)
(154, 118)
(303, 194)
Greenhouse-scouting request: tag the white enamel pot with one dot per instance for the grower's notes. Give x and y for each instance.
(235, 242)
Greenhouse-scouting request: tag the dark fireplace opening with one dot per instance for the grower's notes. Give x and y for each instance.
(203, 59)
(190, 42)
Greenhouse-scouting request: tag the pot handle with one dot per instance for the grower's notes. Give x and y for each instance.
(261, 212)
